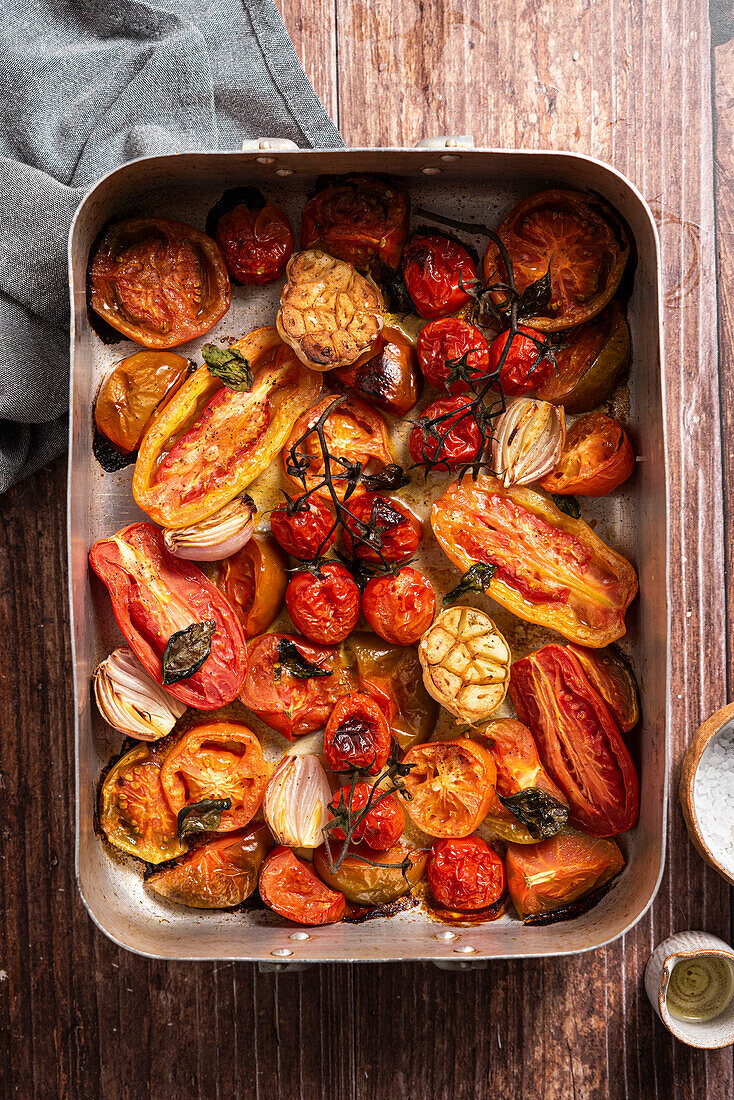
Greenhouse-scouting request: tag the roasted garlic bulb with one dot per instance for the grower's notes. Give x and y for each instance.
(131, 701)
(466, 663)
(296, 801)
(216, 537)
(329, 313)
(528, 440)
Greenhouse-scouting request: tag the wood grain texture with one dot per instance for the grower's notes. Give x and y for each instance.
(629, 82)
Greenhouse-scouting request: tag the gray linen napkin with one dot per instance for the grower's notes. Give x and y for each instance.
(84, 86)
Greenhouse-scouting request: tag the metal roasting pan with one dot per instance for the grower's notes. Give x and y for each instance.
(449, 176)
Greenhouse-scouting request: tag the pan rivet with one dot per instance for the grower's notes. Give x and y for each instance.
(287, 951)
(284, 171)
(446, 935)
(464, 949)
(265, 160)
(300, 936)
(431, 171)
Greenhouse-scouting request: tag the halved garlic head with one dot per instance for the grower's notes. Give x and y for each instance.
(216, 537)
(131, 701)
(528, 440)
(466, 663)
(296, 802)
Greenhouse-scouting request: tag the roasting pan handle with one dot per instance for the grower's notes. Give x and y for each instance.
(446, 141)
(274, 145)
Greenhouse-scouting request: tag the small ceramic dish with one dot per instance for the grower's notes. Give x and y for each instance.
(711, 728)
(705, 1034)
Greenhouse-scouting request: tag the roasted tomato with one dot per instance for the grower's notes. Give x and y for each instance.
(160, 283)
(307, 531)
(290, 887)
(577, 739)
(132, 392)
(382, 522)
(399, 607)
(217, 875)
(597, 457)
(447, 435)
(154, 596)
(551, 569)
(549, 877)
(389, 380)
(361, 219)
(515, 755)
(384, 822)
(591, 361)
(375, 883)
(254, 581)
(217, 761)
(435, 267)
(524, 367)
(353, 432)
(325, 606)
(392, 675)
(609, 672)
(280, 690)
(465, 874)
(357, 735)
(451, 784)
(451, 346)
(133, 810)
(210, 441)
(255, 237)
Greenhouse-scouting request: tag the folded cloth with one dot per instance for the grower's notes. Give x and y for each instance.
(86, 85)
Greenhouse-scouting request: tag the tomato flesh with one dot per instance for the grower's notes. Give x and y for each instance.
(465, 874)
(452, 784)
(556, 872)
(254, 581)
(290, 887)
(447, 436)
(446, 343)
(398, 531)
(324, 608)
(399, 607)
(357, 735)
(133, 811)
(597, 457)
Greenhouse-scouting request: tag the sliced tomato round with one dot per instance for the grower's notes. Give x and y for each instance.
(290, 887)
(306, 531)
(361, 219)
(465, 874)
(447, 435)
(451, 353)
(451, 784)
(523, 368)
(357, 735)
(133, 811)
(132, 392)
(377, 882)
(597, 457)
(324, 607)
(382, 825)
(375, 522)
(399, 607)
(255, 236)
(217, 875)
(254, 581)
(436, 269)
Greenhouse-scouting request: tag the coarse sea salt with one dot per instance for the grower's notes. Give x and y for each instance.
(713, 795)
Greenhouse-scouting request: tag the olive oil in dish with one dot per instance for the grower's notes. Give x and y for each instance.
(700, 988)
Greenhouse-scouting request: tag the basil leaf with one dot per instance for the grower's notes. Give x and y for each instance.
(535, 297)
(540, 813)
(230, 366)
(186, 651)
(567, 504)
(203, 816)
(476, 579)
(292, 660)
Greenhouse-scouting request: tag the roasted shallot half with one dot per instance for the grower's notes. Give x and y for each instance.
(296, 801)
(528, 440)
(131, 701)
(216, 537)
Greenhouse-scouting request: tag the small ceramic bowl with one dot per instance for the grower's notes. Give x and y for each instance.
(705, 1034)
(703, 737)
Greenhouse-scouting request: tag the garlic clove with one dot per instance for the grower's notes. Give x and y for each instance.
(528, 440)
(131, 701)
(296, 802)
(216, 537)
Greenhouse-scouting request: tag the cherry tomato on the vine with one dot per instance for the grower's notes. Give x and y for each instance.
(255, 237)
(525, 368)
(400, 532)
(324, 607)
(447, 434)
(383, 824)
(305, 530)
(357, 735)
(435, 266)
(446, 343)
(465, 874)
(399, 608)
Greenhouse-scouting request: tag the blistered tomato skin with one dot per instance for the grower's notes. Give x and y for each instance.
(384, 823)
(597, 458)
(306, 530)
(435, 266)
(552, 875)
(217, 875)
(447, 435)
(290, 887)
(465, 874)
(325, 607)
(389, 380)
(398, 531)
(450, 344)
(255, 236)
(524, 368)
(357, 735)
(360, 219)
(399, 607)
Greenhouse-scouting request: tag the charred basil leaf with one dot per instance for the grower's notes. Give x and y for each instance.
(567, 504)
(535, 297)
(389, 477)
(292, 660)
(187, 650)
(230, 366)
(573, 909)
(202, 816)
(476, 579)
(540, 813)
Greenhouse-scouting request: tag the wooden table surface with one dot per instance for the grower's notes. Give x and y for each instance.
(633, 82)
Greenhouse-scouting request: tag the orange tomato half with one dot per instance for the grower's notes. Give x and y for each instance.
(452, 784)
(254, 581)
(597, 457)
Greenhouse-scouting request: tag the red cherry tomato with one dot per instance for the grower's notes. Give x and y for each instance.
(290, 887)
(443, 344)
(400, 532)
(357, 735)
(255, 237)
(452, 436)
(384, 823)
(324, 608)
(465, 874)
(399, 608)
(305, 531)
(434, 265)
(524, 368)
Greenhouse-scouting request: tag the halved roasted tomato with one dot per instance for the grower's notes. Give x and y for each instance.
(389, 380)
(609, 671)
(210, 441)
(132, 392)
(255, 236)
(290, 887)
(591, 361)
(155, 596)
(220, 760)
(292, 684)
(578, 238)
(354, 434)
(133, 810)
(361, 219)
(541, 809)
(217, 875)
(451, 785)
(551, 569)
(254, 581)
(377, 882)
(157, 281)
(597, 457)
